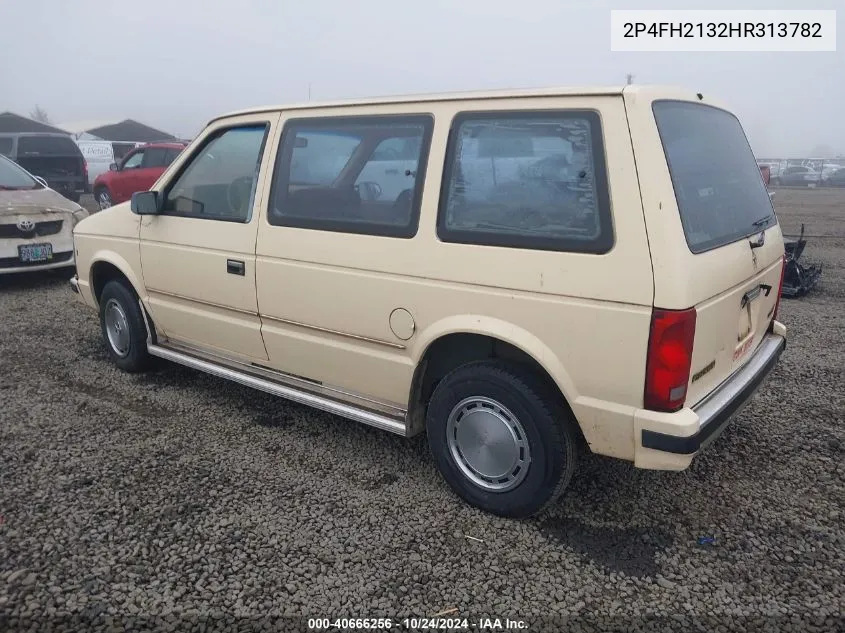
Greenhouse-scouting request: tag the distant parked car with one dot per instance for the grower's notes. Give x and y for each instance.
(36, 223)
(53, 157)
(138, 171)
(766, 172)
(100, 154)
(836, 178)
(799, 176)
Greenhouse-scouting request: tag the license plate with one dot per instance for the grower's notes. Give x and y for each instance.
(35, 252)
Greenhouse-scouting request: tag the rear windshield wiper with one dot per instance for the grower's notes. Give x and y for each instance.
(762, 220)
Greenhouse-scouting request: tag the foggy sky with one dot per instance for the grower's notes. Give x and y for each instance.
(174, 64)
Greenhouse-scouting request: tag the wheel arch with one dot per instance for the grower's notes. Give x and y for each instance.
(109, 266)
(459, 340)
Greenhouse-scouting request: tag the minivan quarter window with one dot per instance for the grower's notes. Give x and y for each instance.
(533, 180)
(358, 174)
(218, 181)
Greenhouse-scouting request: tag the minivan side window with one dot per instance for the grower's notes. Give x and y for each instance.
(6, 146)
(532, 180)
(218, 182)
(359, 174)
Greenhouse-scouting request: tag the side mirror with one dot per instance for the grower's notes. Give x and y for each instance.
(145, 203)
(113, 167)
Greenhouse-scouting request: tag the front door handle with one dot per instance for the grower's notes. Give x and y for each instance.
(235, 267)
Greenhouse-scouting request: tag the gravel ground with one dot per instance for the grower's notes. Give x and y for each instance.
(175, 500)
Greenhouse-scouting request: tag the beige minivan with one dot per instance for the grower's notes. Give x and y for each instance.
(518, 274)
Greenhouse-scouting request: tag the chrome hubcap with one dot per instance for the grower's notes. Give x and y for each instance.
(117, 328)
(488, 443)
(104, 200)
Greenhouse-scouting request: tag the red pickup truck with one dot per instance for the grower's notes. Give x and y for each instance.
(137, 171)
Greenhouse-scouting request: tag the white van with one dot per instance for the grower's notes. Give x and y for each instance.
(100, 154)
(516, 274)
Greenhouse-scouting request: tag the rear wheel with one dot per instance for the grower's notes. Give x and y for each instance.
(501, 438)
(74, 196)
(103, 198)
(123, 329)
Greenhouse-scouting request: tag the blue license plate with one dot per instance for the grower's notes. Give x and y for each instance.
(35, 253)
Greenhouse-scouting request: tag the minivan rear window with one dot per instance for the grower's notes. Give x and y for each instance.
(718, 186)
(47, 146)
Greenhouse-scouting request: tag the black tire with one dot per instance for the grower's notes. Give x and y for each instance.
(133, 356)
(551, 437)
(74, 196)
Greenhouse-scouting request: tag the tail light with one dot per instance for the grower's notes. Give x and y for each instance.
(85, 169)
(669, 358)
(780, 286)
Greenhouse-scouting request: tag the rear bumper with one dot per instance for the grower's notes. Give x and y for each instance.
(669, 441)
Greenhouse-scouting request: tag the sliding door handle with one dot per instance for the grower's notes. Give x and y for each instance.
(235, 267)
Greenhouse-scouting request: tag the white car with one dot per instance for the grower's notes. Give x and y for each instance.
(36, 222)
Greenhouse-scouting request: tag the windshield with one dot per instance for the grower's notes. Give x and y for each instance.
(13, 177)
(719, 188)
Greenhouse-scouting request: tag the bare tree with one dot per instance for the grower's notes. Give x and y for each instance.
(40, 114)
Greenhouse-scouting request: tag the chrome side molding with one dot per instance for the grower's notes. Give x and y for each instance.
(394, 424)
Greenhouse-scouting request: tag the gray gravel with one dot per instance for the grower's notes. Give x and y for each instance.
(174, 500)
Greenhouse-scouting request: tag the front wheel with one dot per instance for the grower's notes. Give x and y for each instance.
(501, 438)
(123, 329)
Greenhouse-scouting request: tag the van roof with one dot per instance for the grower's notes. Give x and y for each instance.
(462, 96)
